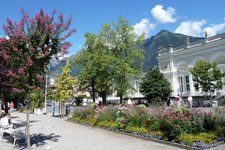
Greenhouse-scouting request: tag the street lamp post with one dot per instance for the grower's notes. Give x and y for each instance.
(46, 88)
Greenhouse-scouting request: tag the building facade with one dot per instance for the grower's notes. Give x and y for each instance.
(175, 63)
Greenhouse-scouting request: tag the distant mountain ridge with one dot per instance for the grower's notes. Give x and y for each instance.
(161, 40)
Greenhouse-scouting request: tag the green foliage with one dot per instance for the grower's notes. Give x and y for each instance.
(142, 106)
(155, 122)
(157, 133)
(209, 122)
(37, 98)
(155, 87)
(108, 124)
(181, 121)
(208, 76)
(184, 125)
(96, 63)
(220, 123)
(140, 130)
(76, 113)
(204, 137)
(64, 85)
(87, 113)
(138, 118)
(114, 55)
(128, 54)
(108, 114)
(22, 109)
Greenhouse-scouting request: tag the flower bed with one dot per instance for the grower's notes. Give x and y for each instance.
(191, 127)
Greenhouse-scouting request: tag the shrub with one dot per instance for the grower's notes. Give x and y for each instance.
(155, 123)
(22, 109)
(209, 121)
(140, 130)
(138, 118)
(86, 113)
(107, 114)
(202, 137)
(108, 124)
(220, 123)
(157, 133)
(181, 121)
(122, 117)
(76, 113)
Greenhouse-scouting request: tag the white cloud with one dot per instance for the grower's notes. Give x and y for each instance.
(192, 28)
(162, 15)
(144, 26)
(214, 29)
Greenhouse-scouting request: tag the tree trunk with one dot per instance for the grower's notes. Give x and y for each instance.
(6, 109)
(60, 109)
(93, 92)
(121, 99)
(211, 98)
(104, 98)
(28, 122)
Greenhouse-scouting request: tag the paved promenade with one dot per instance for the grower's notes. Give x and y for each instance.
(51, 133)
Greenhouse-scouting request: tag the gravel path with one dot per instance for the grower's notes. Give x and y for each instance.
(51, 133)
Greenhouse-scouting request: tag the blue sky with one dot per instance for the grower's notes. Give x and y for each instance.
(190, 17)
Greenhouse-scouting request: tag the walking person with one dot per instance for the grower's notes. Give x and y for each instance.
(168, 101)
(11, 106)
(178, 100)
(53, 108)
(190, 100)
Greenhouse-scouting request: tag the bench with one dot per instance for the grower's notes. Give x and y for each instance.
(17, 133)
(16, 130)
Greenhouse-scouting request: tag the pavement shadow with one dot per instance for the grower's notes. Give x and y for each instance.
(38, 140)
(33, 121)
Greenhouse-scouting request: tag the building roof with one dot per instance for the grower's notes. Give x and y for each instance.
(195, 44)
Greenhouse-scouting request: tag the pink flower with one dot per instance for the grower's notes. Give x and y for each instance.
(29, 62)
(21, 71)
(39, 77)
(10, 73)
(15, 90)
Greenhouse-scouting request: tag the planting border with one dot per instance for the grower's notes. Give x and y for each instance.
(143, 137)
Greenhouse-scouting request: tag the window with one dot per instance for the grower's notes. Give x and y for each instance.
(181, 84)
(196, 85)
(187, 83)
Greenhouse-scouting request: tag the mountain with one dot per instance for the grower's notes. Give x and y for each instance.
(161, 40)
(74, 71)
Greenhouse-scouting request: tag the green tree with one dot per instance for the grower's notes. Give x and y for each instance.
(155, 87)
(64, 87)
(208, 76)
(95, 61)
(37, 98)
(128, 53)
(113, 56)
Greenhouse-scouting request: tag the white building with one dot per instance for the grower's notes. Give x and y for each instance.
(175, 63)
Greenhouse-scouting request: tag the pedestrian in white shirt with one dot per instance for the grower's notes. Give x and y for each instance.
(190, 100)
(5, 121)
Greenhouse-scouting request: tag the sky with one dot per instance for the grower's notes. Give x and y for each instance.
(190, 17)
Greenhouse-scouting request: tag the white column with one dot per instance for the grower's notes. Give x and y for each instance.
(175, 84)
(192, 89)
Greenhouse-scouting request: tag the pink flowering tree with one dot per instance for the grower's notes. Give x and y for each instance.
(6, 73)
(31, 43)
